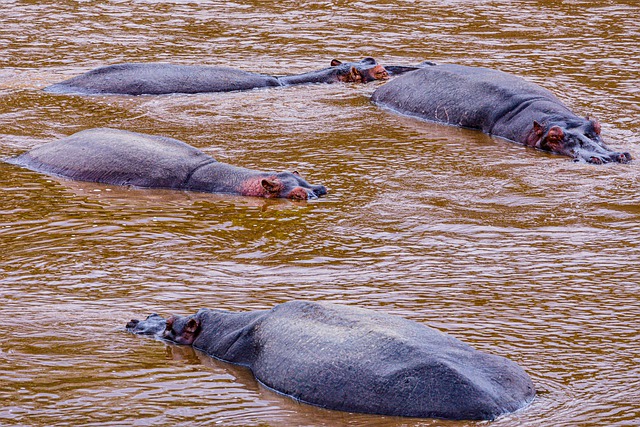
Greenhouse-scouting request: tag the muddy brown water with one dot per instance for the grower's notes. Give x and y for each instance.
(516, 252)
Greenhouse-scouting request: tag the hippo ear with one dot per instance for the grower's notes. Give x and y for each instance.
(335, 62)
(296, 173)
(355, 75)
(596, 124)
(538, 128)
(272, 185)
(369, 60)
(555, 134)
(169, 323)
(192, 326)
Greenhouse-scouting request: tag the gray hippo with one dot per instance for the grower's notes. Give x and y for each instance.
(396, 70)
(499, 104)
(161, 78)
(353, 359)
(120, 157)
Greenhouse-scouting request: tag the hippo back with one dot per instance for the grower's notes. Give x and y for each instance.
(159, 78)
(117, 157)
(471, 97)
(359, 360)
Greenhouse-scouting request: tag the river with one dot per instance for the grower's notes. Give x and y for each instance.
(517, 252)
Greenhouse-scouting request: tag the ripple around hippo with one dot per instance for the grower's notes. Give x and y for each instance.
(161, 78)
(499, 104)
(352, 359)
(120, 157)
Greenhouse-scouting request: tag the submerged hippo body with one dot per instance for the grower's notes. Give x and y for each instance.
(396, 70)
(120, 157)
(160, 78)
(355, 360)
(499, 104)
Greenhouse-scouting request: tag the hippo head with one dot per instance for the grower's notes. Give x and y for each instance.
(286, 185)
(363, 71)
(182, 329)
(579, 139)
(154, 324)
(178, 329)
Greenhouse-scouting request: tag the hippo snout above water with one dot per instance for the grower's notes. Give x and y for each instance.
(363, 71)
(154, 324)
(352, 359)
(499, 104)
(287, 185)
(118, 157)
(578, 138)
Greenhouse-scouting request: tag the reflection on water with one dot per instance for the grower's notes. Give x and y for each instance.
(517, 252)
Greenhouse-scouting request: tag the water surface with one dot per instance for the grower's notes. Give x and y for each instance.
(516, 252)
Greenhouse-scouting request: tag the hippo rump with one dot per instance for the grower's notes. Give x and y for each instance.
(352, 359)
(120, 157)
(161, 78)
(499, 104)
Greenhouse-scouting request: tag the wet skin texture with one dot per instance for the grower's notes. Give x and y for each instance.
(396, 70)
(351, 359)
(159, 78)
(499, 104)
(120, 157)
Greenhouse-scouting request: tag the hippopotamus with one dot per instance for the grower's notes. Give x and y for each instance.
(162, 78)
(119, 157)
(499, 104)
(363, 71)
(396, 70)
(353, 359)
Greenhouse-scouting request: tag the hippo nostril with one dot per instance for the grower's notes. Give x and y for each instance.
(132, 324)
(320, 190)
(619, 157)
(624, 157)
